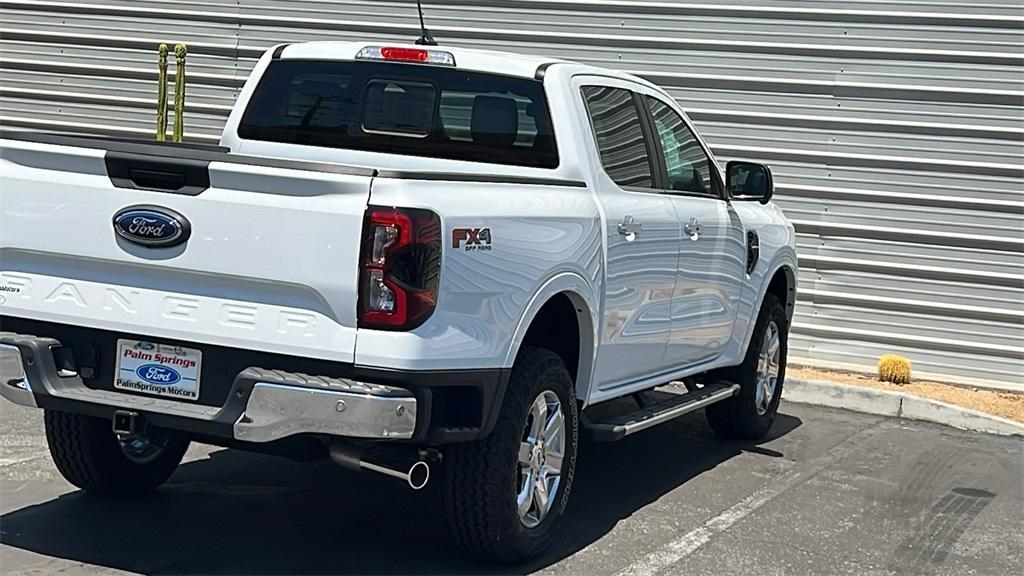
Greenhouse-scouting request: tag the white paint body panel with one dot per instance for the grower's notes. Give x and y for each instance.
(259, 271)
(538, 233)
(273, 261)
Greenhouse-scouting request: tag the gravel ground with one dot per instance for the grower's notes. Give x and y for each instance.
(831, 492)
(1004, 404)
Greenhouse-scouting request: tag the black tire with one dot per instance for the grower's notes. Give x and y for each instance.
(481, 479)
(87, 453)
(738, 417)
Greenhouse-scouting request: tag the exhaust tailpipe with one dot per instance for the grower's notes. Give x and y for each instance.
(351, 457)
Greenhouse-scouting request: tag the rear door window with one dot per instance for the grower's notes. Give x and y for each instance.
(620, 138)
(410, 109)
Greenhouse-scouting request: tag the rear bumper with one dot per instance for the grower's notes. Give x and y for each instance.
(268, 399)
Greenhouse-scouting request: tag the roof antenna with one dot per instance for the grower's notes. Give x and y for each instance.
(425, 38)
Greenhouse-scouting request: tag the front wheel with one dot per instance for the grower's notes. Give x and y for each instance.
(750, 414)
(506, 494)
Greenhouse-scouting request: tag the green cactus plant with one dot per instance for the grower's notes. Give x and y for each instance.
(161, 95)
(180, 51)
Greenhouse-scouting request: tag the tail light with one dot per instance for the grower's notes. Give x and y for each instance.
(400, 268)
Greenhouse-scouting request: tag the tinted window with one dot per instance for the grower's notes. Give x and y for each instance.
(688, 167)
(403, 109)
(620, 139)
(398, 107)
(457, 116)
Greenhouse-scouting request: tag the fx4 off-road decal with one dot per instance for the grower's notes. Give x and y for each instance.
(471, 238)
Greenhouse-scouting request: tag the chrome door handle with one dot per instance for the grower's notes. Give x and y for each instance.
(630, 227)
(692, 228)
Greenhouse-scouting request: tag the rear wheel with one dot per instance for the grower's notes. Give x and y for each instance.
(89, 455)
(506, 494)
(750, 414)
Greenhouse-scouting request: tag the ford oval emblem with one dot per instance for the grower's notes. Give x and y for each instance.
(158, 375)
(151, 226)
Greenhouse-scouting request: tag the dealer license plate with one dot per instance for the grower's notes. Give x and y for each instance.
(158, 369)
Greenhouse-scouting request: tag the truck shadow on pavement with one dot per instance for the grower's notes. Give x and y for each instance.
(242, 513)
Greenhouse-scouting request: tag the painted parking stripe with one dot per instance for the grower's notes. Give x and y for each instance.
(5, 462)
(678, 549)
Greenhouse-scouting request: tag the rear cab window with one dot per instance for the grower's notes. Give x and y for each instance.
(410, 109)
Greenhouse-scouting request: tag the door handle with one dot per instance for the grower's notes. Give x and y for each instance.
(630, 228)
(692, 228)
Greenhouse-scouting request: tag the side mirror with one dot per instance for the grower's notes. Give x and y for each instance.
(749, 181)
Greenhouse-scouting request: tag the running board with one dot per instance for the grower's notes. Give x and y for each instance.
(670, 408)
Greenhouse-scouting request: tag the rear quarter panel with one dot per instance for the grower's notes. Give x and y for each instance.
(544, 239)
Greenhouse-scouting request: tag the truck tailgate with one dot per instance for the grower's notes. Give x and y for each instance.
(270, 264)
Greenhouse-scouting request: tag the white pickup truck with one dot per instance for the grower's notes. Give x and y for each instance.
(401, 257)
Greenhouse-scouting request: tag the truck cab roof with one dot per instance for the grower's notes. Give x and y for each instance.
(510, 64)
(540, 139)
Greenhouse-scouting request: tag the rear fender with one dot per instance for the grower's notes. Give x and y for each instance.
(582, 296)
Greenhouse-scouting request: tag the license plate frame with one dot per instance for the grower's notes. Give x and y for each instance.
(154, 369)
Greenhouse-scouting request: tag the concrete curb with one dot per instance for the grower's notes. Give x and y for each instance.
(896, 404)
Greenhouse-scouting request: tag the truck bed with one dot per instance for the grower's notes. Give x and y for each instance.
(271, 264)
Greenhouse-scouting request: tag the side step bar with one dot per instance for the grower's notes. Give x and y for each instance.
(676, 405)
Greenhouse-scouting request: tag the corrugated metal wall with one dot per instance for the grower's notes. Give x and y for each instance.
(895, 128)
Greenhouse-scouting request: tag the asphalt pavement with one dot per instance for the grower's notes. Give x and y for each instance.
(831, 492)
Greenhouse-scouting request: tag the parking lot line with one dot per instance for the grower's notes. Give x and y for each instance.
(4, 462)
(679, 548)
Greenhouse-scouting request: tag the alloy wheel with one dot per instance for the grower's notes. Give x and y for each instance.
(541, 452)
(768, 368)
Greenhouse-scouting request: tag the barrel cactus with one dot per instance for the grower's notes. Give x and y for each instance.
(894, 368)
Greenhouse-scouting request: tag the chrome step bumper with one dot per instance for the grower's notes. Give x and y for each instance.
(262, 406)
(285, 404)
